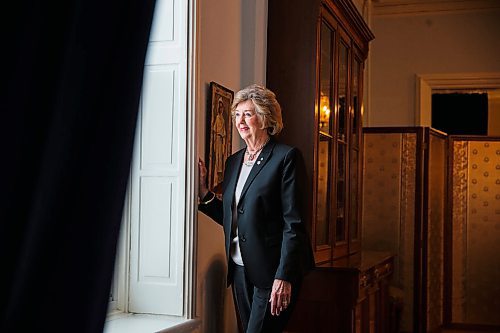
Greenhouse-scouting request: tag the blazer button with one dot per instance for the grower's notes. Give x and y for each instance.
(241, 210)
(243, 239)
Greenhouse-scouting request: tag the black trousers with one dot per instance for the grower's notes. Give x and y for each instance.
(253, 307)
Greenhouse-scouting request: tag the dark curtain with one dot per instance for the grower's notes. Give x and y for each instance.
(72, 75)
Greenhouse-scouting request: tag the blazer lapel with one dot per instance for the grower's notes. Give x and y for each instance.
(259, 164)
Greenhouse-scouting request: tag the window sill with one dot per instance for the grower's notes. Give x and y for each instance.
(144, 323)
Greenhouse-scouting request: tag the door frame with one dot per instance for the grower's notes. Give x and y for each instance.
(426, 83)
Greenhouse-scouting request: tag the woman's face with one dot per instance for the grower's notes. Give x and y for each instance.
(247, 122)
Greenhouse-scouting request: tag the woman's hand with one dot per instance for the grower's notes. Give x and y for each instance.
(281, 295)
(202, 181)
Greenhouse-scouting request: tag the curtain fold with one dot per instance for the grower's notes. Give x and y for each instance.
(71, 88)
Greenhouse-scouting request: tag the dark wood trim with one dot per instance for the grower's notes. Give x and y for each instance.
(418, 315)
(323, 254)
(447, 221)
(438, 133)
(319, 255)
(330, 20)
(474, 138)
(403, 129)
(341, 248)
(436, 330)
(475, 327)
(424, 246)
(448, 239)
(355, 243)
(347, 12)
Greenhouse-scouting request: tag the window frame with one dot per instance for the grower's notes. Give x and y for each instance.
(120, 286)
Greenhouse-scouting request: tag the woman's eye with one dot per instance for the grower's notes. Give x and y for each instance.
(237, 114)
(248, 114)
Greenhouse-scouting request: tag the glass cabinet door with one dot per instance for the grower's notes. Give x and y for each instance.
(325, 144)
(337, 169)
(341, 149)
(326, 77)
(323, 193)
(356, 105)
(354, 162)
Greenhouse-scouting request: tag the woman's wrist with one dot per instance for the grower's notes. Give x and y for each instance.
(208, 198)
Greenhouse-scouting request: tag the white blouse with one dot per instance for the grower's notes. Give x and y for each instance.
(235, 245)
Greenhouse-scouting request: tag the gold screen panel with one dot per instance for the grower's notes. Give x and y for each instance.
(476, 225)
(389, 175)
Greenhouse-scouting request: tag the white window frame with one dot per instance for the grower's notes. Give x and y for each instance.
(119, 305)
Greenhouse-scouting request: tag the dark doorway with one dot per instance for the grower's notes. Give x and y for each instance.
(460, 113)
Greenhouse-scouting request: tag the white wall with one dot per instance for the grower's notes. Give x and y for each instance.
(494, 112)
(232, 52)
(406, 45)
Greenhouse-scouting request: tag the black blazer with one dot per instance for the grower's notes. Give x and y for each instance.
(272, 236)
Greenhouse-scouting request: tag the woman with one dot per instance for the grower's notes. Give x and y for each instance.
(267, 247)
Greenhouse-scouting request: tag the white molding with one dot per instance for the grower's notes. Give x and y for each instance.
(402, 7)
(132, 323)
(123, 276)
(426, 83)
(121, 272)
(191, 159)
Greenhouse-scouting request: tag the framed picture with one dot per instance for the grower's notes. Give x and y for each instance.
(219, 134)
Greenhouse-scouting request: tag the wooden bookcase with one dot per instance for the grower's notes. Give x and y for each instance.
(315, 64)
(316, 53)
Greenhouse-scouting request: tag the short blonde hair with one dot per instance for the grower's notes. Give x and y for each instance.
(267, 107)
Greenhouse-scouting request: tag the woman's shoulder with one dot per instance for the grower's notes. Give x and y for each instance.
(284, 148)
(286, 152)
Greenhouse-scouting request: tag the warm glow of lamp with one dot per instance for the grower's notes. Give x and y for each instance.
(324, 111)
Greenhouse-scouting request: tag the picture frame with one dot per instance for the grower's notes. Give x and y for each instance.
(219, 135)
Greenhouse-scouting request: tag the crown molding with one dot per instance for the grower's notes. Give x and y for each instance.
(405, 7)
(490, 80)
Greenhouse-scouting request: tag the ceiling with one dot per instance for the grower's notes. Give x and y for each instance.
(395, 7)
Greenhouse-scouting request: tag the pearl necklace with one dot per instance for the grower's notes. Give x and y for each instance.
(251, 156)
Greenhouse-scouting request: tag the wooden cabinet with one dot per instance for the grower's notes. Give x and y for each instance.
(316, 54)
(315, 63)
(346, 295)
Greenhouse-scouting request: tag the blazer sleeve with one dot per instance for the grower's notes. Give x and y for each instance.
(295, 248)
(213, 209)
